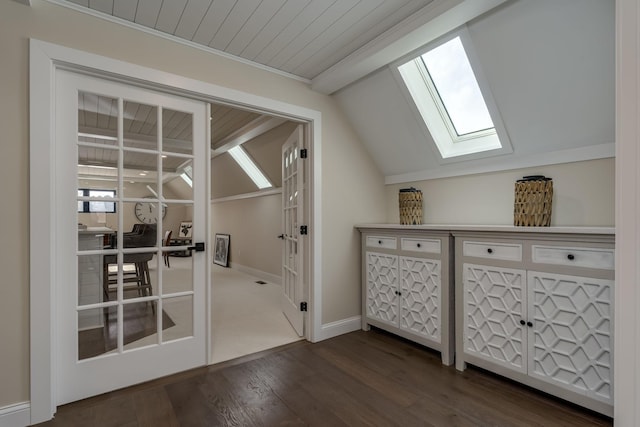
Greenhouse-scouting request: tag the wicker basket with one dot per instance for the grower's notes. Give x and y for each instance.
(410, 201)
(532, 204)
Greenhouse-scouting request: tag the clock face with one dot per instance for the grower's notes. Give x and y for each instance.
(147, 212)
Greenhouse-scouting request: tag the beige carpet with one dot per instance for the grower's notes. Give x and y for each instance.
(246, 316)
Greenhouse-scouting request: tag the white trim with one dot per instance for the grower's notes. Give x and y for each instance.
(252, 195)
(263, 275)
(45, 58)
(340, 327)
(16, 415)
(171, 37)
(627, 294)
(25, 2)
(509, 162)
(434, 20)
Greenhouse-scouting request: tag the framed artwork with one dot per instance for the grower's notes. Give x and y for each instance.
(185, 229)
(221, 254)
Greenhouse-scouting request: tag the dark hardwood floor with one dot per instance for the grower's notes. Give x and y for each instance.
(358, 379)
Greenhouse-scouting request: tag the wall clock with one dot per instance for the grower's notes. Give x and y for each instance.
(148, 213)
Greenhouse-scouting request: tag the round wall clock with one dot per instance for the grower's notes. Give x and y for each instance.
(147, 212)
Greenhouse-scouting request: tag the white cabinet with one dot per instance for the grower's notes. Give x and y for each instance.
(406, 288)
(539, 312)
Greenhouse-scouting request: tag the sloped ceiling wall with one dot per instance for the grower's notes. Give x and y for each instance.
(228, 179)
(550, 67)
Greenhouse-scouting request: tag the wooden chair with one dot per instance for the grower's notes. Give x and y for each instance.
(166, 242)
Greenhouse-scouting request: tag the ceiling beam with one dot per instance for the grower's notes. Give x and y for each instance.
(246, 133)
(434, 20)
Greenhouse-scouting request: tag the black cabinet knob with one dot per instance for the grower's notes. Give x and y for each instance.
(490, 250)
(379, 242)
(522, 322)
(529, 324)
(418, 245)
(571, 257)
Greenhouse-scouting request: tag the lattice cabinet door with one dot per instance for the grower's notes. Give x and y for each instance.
(382, 287)
(494, 301)
(571, 340)
(420, 302)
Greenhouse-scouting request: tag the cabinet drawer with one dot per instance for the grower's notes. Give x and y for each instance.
(385, 242)
(574, 257)
(492, 250)
(420, 245)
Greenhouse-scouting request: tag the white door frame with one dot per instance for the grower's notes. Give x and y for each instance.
(45, 59)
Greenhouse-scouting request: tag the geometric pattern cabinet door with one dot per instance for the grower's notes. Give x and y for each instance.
(420, 289)
(494, 301)
(382, 287)
(571, 341)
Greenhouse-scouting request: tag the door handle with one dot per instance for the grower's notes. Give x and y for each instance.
(281, 236)
(198, 247)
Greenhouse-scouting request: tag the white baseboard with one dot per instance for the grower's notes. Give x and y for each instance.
(17, 415)
(263, 275)
(340, 327)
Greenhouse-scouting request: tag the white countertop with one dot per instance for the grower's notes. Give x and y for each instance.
(503, 228)
(95, 230)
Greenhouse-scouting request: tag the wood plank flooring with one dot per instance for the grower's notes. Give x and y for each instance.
(358, 379)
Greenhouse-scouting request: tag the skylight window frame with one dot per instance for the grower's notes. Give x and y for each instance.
(418, 88)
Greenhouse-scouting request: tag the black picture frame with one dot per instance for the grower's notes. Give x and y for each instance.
(221, 252)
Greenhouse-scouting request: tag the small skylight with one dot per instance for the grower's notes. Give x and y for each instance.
(453, 77)
(444, 88)
(242, 158)
(187, 171)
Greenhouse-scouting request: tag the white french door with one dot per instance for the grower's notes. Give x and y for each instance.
(131, 166)
(292, 220)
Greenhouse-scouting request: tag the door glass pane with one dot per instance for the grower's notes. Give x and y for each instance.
(140, 174)
(177, 318)
(140, 126)
(178, 178)
(97, 120)
(140, 324)
(97, 332)
(177, 132)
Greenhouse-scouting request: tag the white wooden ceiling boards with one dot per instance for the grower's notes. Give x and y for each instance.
(300, 37)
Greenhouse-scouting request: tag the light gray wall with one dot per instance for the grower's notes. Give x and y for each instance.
(253, 225)
(550, 67)
(583, 195)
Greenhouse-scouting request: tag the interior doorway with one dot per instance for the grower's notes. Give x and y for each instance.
(46, 60)
(247, 290)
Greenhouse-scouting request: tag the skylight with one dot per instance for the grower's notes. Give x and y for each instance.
(453, 78)
(186, 175)
(442, 84)
(242, 158)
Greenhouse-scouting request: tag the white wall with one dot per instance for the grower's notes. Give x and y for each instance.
(352, 190)
(253, 225)
(583, 195)
(550, 67)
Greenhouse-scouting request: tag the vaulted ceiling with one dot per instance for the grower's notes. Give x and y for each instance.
(300, 37)
(549, 66)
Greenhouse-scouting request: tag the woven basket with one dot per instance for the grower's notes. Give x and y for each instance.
(532, 205)
(410, 201)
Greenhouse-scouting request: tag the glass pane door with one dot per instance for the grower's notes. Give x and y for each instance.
(138, 185)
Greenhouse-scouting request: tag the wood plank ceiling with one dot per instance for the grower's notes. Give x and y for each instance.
(300, 37)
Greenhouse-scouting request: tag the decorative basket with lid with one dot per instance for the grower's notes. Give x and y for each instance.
(410, 201)
(532, 203)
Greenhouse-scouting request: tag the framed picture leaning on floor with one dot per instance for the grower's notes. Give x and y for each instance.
(221, 253)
